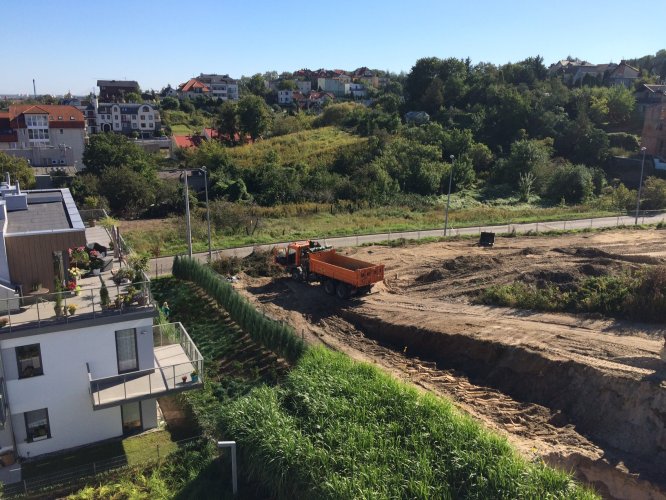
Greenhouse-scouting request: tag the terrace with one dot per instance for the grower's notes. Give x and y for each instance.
(178, 367)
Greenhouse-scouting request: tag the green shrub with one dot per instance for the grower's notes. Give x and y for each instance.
(275, 336)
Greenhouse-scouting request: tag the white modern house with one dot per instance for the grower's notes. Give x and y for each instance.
(82, 366)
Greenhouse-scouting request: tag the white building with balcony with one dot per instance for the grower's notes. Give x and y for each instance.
(76, 367)
(124, 118)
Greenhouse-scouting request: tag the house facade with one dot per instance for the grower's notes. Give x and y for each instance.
(76, 367)
(649, 95)
(126, 118)
(45, 135)
(116, 90)
(220, 87)
(623, 74)
(654, 130)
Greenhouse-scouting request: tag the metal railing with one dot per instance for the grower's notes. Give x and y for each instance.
(73, 476)
(36, 311)
(159, 380)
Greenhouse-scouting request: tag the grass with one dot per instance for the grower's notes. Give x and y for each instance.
(314, 148)
(335, 428)
(182, 129)
(318, 222)
(341, 429)
(136, 450)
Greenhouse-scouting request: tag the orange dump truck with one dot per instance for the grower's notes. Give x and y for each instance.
(340, 275)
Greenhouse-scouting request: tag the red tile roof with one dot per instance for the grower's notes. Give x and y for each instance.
(60, 116)
(213, 133)
(192, 84)
(184, 141)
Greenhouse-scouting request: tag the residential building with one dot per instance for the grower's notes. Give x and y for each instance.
(45, 135)
(304, 86)
(116, 90)
(312, 100)
(355, 90)
(192, 89)
(623, 74)
(285, 97)
(649, 95)
(335, 86)
(76, 368)
(654, 130)
(218, 86)
(221, 86)
(125, 118)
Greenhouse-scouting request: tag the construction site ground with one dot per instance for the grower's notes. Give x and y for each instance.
(581, 392)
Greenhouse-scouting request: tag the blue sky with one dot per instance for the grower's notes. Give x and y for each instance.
(69, 44)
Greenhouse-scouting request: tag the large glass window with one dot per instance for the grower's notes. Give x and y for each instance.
(29, 359)
(126, 350)
(131, 413)
(37, 425)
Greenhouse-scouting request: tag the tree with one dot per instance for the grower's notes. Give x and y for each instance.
(18, 168)
(114, 150)
(255, 85)
(187, 106)
(253, 116)
(127, 191)
(571, 183)
(528, 155)
(170, 103)
(621, 104)
(229, 125)
(133, 97)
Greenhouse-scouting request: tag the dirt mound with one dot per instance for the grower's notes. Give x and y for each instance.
(257, 264)
(532, 251)
(471, 263)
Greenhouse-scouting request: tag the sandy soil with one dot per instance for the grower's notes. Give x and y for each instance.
(584, 393)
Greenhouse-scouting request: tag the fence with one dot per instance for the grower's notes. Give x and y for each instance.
(73, 477)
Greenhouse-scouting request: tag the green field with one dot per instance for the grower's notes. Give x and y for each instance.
(182, 129)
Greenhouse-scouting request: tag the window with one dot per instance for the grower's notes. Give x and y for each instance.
(72, 118)
(131, 415)
(37, 425)
(143, 117)
(143, 125)
(134, 125)
(29, 359)
(60, 118)
(62, 131)
(126, 350)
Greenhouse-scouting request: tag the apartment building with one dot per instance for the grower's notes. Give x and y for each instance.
(125, 118)
(45, 135)
(116, 90)
(85, 364)
(211, 85)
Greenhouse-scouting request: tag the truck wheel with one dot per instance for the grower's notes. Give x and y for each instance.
(329, 287)
(342, 291)
(296, 275)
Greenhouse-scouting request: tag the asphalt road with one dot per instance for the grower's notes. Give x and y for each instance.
(163, 264)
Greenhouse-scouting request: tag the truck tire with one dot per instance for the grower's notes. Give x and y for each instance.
(342, 291)
(329, 287)
(296, 275)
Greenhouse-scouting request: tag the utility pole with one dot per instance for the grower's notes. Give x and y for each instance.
(187, 216)
(640, 187)
(210, 251)
(448, 198)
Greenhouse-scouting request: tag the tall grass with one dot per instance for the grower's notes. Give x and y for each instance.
(341, 429)
(278, 337)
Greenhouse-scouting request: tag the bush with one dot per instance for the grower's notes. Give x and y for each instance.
(573, 183)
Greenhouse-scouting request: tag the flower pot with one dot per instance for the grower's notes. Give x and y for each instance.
(195, 378)
(96, 272)
(184, 378)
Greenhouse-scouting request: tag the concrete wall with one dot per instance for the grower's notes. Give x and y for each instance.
(149, 413)
(64, 387)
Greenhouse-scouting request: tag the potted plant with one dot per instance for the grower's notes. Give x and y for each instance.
(195, 376)
(184, 378)
(74, 273)
(104, 299)
(79, 257)
(57, 308)
(96, 266)
(71, 309)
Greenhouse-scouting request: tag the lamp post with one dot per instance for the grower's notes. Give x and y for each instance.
(187, 216)
(448, 198)
(210, 251)
(640, 187)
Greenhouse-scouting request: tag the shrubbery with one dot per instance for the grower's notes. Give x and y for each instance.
(278, 337)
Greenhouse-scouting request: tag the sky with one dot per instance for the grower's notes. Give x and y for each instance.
(67, 45)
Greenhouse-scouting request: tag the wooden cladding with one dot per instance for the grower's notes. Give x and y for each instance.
(30, 257)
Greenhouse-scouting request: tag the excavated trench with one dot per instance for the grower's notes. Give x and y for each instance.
(624, 416)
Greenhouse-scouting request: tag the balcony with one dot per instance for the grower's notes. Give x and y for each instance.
(176, 358)
(38, 309)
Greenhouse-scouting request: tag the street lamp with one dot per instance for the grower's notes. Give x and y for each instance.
(640, 187)
(210, 251)
(187, 216)
(448, 198)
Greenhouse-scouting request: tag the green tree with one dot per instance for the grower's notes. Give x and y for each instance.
(170, 103)
(255, 85)
(621, 104)
(229, 123)
(18, 168)
(528, 155)
(654, 194)
(114, 150)
(571, 183)
(133, 97)
(128, 192)
(254, 117)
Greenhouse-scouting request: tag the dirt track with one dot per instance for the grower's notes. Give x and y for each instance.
(583, 393)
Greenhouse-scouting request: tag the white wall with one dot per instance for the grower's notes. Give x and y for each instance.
(64, 387)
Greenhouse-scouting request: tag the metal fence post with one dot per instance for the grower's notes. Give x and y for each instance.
(234, 471)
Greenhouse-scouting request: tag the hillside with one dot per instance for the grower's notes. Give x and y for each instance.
(314, 148)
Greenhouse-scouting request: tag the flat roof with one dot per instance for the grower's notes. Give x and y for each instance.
(49, 211)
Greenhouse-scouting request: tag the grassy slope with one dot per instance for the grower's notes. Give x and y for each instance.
(340, 429)
(311, 147)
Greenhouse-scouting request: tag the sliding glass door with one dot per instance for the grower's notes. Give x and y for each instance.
(126, 350)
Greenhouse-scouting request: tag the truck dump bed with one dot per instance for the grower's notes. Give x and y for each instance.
(354, 272)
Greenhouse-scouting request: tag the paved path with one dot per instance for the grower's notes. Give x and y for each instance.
(164, 264)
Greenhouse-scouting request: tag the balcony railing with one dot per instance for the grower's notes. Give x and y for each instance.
(43, 309)
(178, 367)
